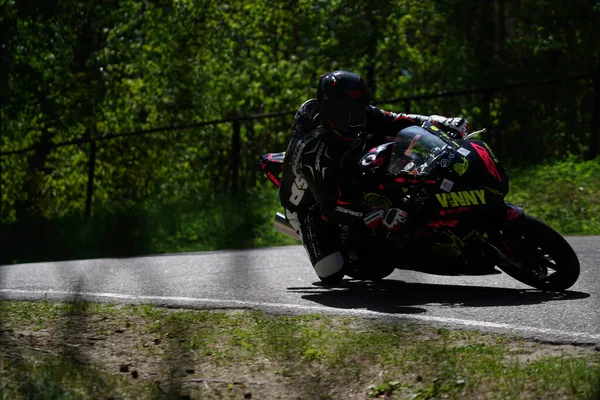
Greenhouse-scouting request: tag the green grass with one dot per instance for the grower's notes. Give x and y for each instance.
(46, 352)
(565, 195)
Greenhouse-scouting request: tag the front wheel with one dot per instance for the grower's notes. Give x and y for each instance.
(366, 258)
(546, 260)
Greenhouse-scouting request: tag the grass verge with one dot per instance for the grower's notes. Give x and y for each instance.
(565, 194)
(81, 350)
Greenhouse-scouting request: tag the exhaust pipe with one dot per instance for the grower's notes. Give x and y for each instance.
(282, 225)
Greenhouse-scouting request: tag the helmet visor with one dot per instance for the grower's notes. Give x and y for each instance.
(348, 118)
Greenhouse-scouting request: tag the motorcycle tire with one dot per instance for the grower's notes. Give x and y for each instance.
(375, 266)
(541, 249)
(374, 273)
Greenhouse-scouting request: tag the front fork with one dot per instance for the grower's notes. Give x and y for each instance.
(503, 261)
(500, 247)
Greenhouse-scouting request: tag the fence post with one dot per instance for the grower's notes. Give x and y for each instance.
(235, 156)
(90, 183)
(1, 182)
(486, 120)
(595, 142)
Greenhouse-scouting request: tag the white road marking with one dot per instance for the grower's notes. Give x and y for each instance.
(215, 303)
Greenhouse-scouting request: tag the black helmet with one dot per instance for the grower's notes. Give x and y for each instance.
(343, 102)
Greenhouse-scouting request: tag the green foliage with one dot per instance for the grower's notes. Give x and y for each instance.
(384, 390)
(563, 194)
(73, 70)
(210, 222)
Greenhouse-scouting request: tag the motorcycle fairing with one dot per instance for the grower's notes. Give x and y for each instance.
(271, 164)
(460, 187)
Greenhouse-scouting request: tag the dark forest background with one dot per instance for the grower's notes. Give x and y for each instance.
(134, 126)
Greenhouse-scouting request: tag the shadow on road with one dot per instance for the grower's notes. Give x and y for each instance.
(399, 297)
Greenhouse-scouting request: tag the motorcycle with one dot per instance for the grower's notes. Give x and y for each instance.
(460, 223)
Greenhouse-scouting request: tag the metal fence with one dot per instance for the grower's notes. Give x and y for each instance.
(408, 103)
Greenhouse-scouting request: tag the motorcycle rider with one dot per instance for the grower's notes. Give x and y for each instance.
(329, 135)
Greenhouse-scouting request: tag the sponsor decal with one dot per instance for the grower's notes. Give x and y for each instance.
(461, 168)
(377, 200)
(319, 154)
(494, 191)
(353, 94)
(454, 210)
(450, 250)
(462, 198)
(463, 152)
(346, 211)
(444, 162)
(491, 152)
(309, 239)
(487, 160)
(405, 180)
(298, 188)
(454, 249)
(446, 185)
(442, 224)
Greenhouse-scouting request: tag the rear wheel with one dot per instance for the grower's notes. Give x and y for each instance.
(547, 261)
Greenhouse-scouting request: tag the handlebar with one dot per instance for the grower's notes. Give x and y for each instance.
(473, 134)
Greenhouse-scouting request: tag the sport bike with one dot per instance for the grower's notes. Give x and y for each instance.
(459, 221)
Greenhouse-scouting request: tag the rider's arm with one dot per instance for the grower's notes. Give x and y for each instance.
(386, 123)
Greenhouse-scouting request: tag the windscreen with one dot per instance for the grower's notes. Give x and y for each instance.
(412, 149)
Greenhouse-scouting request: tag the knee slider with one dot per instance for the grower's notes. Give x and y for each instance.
(330, 266)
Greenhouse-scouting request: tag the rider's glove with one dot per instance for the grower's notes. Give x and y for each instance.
(391, 219)
(457, 127)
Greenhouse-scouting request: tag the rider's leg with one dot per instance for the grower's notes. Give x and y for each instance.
(321, 240)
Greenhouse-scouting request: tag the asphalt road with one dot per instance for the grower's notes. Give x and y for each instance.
(281, 280)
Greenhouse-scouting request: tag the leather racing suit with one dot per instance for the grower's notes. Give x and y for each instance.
(316, 189)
